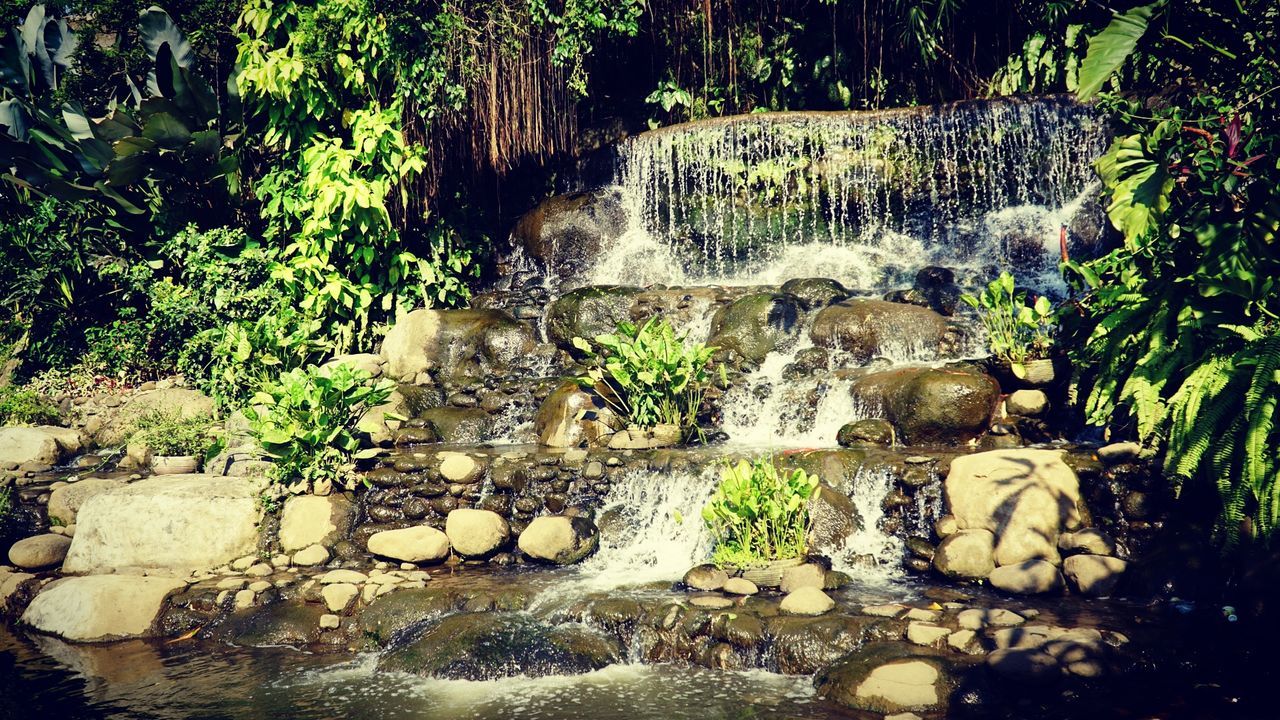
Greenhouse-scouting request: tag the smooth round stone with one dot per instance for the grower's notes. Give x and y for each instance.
(740, 586)
(807, 601)
(711, 602)
(476, 533)
(422, 543)
(311, 555)
(457, 467)
(706, 577)
(39, 551)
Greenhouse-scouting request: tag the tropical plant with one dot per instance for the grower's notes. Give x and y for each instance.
(650, 375)
(172, 433)
(1017, 330)
(759, 513)
(306, 422)
(23, 406)
(245, 353)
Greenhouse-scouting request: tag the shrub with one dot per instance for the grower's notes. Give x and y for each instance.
(244, 354)
(21, 406)
(168, 432)
(306, 422)
(652, 376)
(1017, 331)
(759, 513)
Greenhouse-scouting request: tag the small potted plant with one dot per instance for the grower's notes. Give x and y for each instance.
(1019, 331)
(759, 517)
(176, 444)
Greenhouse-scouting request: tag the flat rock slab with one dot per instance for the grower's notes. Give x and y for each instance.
(100, 607)
(174, 522)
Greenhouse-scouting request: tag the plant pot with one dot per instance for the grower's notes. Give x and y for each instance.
(174, 464)
(1033, 374)
(768, 573)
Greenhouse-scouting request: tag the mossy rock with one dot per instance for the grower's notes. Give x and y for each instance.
(758, 324)
(587, 312)
(816, 293)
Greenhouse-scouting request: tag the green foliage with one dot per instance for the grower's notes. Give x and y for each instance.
(1048, 61)
(22, 406)
(306, 422)
(651, 375)
(170, 433)
(1111, 48)
(759, 513)
(1017, 330)
(245, 353)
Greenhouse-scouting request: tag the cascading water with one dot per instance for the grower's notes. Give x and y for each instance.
(866, 198)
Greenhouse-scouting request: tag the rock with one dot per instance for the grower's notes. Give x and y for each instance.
(937, 285)
(343, 575)
(930, 405)
(710, 601)
(740, 586)
(806, 601)
(338, 596)
(10, 584)
(1027, 497)
(1031, 403)
(926, 634)
(458, 425)
(571, 417)
(980, 619)
(755, 325)
(587, 312)
(1092, 575)
(706, 577)
(965, 641)
(382, 422)
(39, 552)
(887, 678)
(815, 293)
(330, 622)
(947, 526)
(966, 555)
(558, 539)
(1024, 664)
(115, 424)
(874, 328)
(418, 544)
(28, 446)
(808, 575)
(456, 343)
(65, 502)
(314, 520)
(873, 431)
(244, 599)
(476, 533)
(259, 570)
(834, 519)
(100, 607)
(1118, 453)
(1030, 577)
(311, 555)
(892, 610)
(564, 234)
(459, 467)
(1091, 541)
(175, 522)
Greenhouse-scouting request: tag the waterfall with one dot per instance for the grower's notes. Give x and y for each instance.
(865, 197)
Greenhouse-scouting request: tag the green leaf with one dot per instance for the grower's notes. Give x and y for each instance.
(1109, 49)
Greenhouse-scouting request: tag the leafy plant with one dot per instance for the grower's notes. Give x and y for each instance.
(652, 376)
(170, 433)
(245, 353)
(306, 422)
(23, 406)
(1017, 330)
(759, 513)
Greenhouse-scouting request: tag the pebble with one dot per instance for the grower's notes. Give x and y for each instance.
(259, 570)
(244, 599)
(740, 586)
(329, 621)
(343, 576)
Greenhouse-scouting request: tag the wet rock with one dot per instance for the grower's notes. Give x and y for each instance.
(937, 285)
(1031, 403)
(873, 328)
(486, 646)
(1119, 453)
(834, 519)
(946, 526)
(706, 577)
(564, 234)
(454, 343)
(966, 555)
(558, 539)
(873, 431)
(888, 678)
(571, 417)
(740, 586)
(28, 446)
(39, 551)
(1026, 496)
(459, 426)
(311, 519)
(1024, 664)
(981, 619)
(755, 325)
(808, 575)
(587, 312)
(805, 644)
(710, 601)
(459, 467)
(926, 634)
(418, 544)
(931, 405)
(476, 533)
(1089, 540)
(1094, 575)
(1031, 577)
(311, 555)
(274, 625)
(816, 293)
(806, 601)
(100, 607)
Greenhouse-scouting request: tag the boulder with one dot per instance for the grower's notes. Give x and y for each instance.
(1031, 577)
(816, 293)
(1092, 575)
(65, 502)
(457, 467)
(476, 533)
(100, 607)
(740, 586)
(706, 577)
(806, 601)
(558, 539)
(755, 325)
(421, 543)
(872, 431)
(175, 522)
(588, 312)
(1026, 497)
(28, 446)
(874, 328)
(833, 520)
(311, 555)
(966, 555)
(458, 425)
(930, 405)
(888, 678)
(937, 285)
(564, 234)
(381, 422)
(808, 575)
(39, 551)
(1090, 541)
(314, 520)
(572, 417)
(112, 425)
(1030, 403)
(454, 343)
(338, 596)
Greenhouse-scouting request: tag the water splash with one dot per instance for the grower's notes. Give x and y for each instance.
(870, 554)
